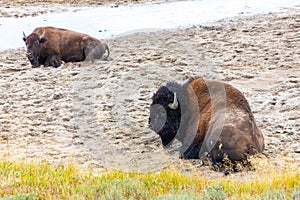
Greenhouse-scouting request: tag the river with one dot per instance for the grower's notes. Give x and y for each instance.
(105, 22)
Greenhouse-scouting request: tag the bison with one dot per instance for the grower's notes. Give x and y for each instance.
(49, 46)
(207, 117)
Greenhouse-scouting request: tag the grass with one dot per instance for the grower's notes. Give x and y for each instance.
(23, 180)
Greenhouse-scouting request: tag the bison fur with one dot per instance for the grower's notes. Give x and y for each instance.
(207, 117)
(49, 46)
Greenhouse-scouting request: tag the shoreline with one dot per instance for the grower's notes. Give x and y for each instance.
(23, 8)
(214, 24)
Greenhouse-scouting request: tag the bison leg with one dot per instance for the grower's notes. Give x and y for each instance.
(213, 155)
(219, 161)
(54, 61)
(192, 152)
(94, 49)
(217, 153)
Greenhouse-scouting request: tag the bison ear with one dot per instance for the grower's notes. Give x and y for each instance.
(24, 39)
(42, 40)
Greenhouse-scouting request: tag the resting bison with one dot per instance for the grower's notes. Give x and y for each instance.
(206, 116)
(50, 46)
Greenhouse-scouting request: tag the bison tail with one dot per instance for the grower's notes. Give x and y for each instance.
(108, 52)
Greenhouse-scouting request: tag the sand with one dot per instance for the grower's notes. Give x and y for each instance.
(23, 8)
(96, 114)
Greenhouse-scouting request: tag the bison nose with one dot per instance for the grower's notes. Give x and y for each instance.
(29, 56)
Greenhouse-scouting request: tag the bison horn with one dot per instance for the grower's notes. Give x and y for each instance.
(24, 37)
(174, 105)
(43, 35)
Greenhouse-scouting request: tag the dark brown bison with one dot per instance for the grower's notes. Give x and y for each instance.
(207, 117)
(49, 46)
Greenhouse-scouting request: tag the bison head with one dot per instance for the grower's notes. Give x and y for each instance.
(33, 44)
(165, 114)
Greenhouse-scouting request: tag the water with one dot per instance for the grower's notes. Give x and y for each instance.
(104, 22)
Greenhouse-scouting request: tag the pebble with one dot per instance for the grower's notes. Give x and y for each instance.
(247, 76)
(293, 80)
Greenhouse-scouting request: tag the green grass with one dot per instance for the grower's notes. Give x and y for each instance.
(23, 180)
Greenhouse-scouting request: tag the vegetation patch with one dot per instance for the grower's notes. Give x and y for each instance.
(23, 180)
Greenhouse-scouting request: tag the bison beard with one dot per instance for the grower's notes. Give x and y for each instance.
(193, 120)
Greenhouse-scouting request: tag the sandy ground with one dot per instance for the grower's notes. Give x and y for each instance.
(23, 8)
(97, 114)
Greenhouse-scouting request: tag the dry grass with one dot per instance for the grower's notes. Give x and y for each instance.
(45, 181)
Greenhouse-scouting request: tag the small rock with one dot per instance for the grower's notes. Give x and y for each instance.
(4, 137)
(293, 80)
(247, 75)
(57, 96)
(74, 73)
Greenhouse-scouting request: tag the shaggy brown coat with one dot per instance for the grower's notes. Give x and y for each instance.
(211, 117)
(49, 46)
